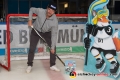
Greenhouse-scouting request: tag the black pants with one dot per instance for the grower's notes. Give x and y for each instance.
(34, 38)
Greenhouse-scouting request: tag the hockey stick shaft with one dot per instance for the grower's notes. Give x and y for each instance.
(47, 45)
(86, 57)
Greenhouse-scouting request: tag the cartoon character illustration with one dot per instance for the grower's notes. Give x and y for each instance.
(100, 30)
(70, 66)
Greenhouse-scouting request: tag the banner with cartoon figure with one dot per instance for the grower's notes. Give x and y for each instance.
(101, 41)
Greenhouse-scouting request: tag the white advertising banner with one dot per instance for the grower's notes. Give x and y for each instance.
(70, 38)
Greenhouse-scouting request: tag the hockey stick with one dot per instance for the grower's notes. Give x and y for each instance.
(47, 45)
(86, 57)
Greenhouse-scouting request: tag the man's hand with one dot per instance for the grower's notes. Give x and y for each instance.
(30, 23)
(52, 51)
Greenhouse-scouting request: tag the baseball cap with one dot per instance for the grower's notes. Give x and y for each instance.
(52, 6)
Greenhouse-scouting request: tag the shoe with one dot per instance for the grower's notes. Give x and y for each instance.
(54, 68)
(29, 68)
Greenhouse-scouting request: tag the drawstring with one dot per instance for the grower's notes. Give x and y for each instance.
(43, 24)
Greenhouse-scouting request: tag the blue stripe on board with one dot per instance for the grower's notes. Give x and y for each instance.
(2, 51)
(2, 23)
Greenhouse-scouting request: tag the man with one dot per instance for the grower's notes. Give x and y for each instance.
(47, 25)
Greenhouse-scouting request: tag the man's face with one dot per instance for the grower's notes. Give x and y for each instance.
(50, 12)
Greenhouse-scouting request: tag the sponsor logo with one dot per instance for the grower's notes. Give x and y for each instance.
(53, 6)
(73, 75)
(64, 49)
(19, 51)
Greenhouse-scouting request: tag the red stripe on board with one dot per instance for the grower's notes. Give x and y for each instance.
(53, 75)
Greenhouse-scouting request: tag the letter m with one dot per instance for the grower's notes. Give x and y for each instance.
(63, 36)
